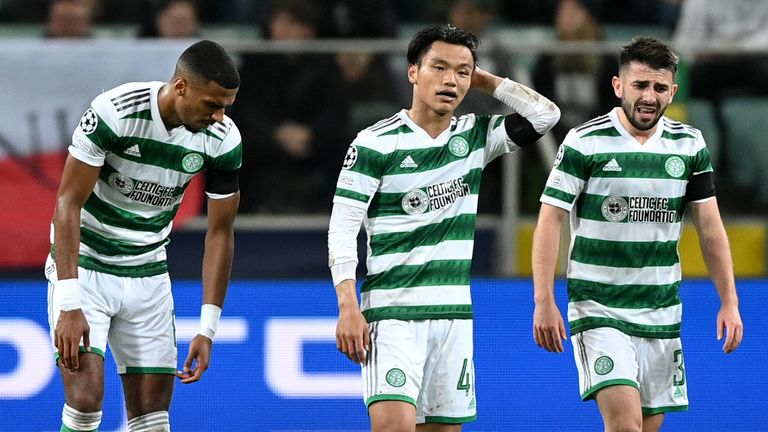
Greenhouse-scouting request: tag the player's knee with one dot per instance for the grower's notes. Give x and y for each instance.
(77, 420)
(393, 426)
(626, 424)
(153, 422)
(85, 401)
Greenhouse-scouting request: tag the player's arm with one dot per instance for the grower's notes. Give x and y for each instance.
(548, 325)
(534, 115)
(716, 251)
(217, 267)
(77, 182)
(352, 337)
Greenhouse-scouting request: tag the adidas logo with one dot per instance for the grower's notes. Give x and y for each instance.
(678, 393)
(612, 165)
(408, 162)
(133, 151)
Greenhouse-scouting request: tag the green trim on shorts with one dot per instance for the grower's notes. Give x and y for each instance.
(149, 370)
(82, 350)
(449, 420)
(389, 397)
(64, 428)
(590, 393)
(661, 410)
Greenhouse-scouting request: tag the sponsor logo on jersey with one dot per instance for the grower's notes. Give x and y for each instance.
(133, 151)
(445, 193)
(638, 210)
(675, 166)
(612, 165)
(153, 194)
(458, 146)
(395, 377)
(120, 182)
(408, 162)
(192, 162)
(350, 158)
(603, 365)
(89, 121)
(415, 202)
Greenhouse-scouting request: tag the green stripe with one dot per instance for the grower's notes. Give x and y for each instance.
(660, 410)
(369, 162)
(389, 397)
(590, 393)
(559, 195)
(461, 227)
(638, 165)
(391, 203)
(66, 429)
(590, 207)
(702, 162)
(112, 247)
(624, 296)
(676, 136)
(573, 163)
(103, 136)
(641, 330)
(609, 131)
(150, 370)
(418, 312)
(432, 273)
(142, 115)
(229, 161)
(142, 270)
(156, 153)
(624, 254)
(449, 420)
(498, 122)
(82, 350)
(111, 215)
(402, 129)
(346, 193)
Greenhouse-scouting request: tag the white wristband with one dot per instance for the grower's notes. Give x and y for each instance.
(66, 293)
(209, 320)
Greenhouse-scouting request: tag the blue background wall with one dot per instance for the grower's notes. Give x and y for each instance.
(520, 387)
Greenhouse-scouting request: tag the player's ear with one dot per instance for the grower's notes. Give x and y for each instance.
(412, 69)
(179, 85)
(616, 84)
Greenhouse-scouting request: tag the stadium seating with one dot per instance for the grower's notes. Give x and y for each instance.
(746, 150)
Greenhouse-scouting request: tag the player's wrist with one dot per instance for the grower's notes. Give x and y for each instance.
(210, 314)
(66, 294)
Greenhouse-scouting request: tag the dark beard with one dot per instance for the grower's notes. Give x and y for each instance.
(629, 111)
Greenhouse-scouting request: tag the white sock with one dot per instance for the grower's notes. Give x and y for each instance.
(153, 422)
(80, 421)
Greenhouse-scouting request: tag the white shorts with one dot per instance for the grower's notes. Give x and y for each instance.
(606, 356)
(135, 315)
(427, 363)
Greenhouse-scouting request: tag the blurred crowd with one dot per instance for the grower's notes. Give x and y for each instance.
(298, 111)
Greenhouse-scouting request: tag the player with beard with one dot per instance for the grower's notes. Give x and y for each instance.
(626, 178)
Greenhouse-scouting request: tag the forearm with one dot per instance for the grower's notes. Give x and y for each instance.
(217, 265)
(541, 112)
(66, 238)
(346, 296)
(342, 242)
(717, 257)
(546, 242)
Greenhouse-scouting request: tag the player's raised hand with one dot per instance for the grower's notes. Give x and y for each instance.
(352, 336)
(729, 322)
(197, 361)
(548, 327)
(70, 328)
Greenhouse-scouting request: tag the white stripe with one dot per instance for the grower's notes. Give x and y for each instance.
(645, 316)
(358, 182)
(417, 296)
(623, 232)
(406, 223)
(565, 182)
(667, 188)
(131, 236)
(125, 260)
(639, 276)
(399, 183)
(447, 250)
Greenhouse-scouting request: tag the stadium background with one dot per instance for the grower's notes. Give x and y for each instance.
(275, 366)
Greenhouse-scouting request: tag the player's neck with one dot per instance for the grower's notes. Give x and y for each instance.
(640, 135)
(431, 121)
(166, 107)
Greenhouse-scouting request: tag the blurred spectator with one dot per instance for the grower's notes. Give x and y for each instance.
(737, 24)
(356, 19)
(172, 19)
(293, 112)
(69, 19)
(578, 83)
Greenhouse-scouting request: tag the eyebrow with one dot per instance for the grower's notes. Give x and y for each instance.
(439, 60)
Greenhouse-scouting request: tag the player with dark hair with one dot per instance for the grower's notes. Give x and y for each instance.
(414, 179)
(627, 178)
(134, 153)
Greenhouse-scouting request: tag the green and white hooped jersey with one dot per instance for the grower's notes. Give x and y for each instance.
(144, 171)
(420, 195)
(626, 204)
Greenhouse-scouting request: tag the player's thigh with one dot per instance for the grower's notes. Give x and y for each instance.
(392, 416)
(620, 407)
(146, 393)
(448, 389)
(663, 386)
(604, 357)
(142, 336)
(84, 389)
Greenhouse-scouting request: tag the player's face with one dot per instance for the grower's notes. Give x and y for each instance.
(202, 104)
(645, 94)
(443, 77)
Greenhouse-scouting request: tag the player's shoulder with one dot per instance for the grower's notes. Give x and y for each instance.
(127, 96)
(383, 135)
(674, 129)
(225, 129)
(598, 126)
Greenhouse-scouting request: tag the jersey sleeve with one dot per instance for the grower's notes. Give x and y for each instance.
(497, 141)
(568, 176)
(361, 172)
(96, 134)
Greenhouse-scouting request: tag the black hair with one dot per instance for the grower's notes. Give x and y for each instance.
(649, 51)
(424, 39)
(209, 61)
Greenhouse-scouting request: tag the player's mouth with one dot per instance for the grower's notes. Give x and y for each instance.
(646, 112)
(447, 95)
